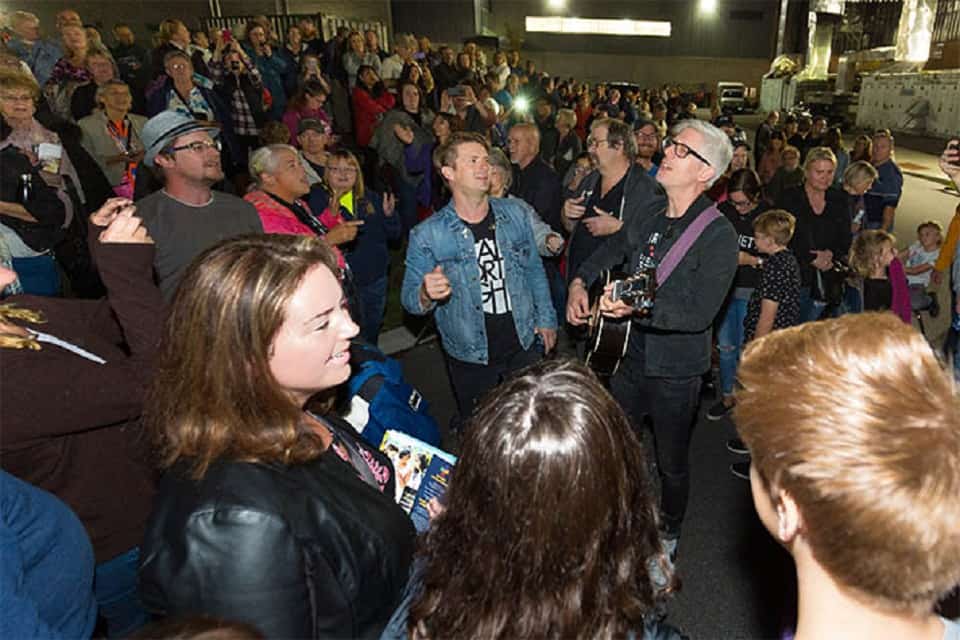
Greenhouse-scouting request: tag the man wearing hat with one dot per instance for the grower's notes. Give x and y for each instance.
(314, 136)
(186, 217)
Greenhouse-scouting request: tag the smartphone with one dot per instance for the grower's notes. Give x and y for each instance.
(954, 146)
(227, 35)
(456, 92)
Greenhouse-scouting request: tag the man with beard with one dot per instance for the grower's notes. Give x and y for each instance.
(648, 145)
(610, 196)
(187, 217)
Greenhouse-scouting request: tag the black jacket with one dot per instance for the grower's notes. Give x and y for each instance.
(828, 230)
(676, 335)
(43, 203)
(642, 196)
(302, 551)
(539, 186)
(252, 91)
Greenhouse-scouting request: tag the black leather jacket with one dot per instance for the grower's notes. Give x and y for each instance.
(304, 551)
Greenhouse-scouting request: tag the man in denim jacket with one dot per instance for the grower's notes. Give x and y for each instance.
(476, 263)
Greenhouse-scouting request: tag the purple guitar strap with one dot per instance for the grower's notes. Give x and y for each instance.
(684, 242)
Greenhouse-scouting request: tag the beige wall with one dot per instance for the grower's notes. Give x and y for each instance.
(650, 71)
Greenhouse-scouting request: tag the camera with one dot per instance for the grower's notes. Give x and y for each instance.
(639, 290)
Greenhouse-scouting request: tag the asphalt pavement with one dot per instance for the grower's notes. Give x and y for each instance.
(737, 583)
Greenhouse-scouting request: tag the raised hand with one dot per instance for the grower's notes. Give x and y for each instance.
(403, 133)
(389, 204)
(126, 229)
(436, 286)
(573, 208)
(112, 208)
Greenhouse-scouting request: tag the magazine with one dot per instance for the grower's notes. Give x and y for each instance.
(422, 472)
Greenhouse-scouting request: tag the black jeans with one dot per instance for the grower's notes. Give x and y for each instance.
(672, 405)
(471, 381)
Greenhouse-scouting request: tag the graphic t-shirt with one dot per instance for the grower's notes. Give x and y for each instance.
(779, 282)
(502, 341)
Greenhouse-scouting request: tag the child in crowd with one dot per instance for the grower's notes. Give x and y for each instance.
(882, 283)
(775, 304)
(919, 260)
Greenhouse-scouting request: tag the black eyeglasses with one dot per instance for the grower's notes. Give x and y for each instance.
(197, 147)
(683, 150)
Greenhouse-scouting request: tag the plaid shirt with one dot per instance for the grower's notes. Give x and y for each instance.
(243, 122)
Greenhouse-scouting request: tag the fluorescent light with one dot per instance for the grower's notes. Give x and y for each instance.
(557, 4)
(708, 6)
(598, 26)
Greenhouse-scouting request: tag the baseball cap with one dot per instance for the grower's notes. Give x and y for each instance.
(165, 127)
(723, 121)
(313, 124)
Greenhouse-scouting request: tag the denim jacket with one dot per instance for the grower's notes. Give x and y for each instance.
(446, 240)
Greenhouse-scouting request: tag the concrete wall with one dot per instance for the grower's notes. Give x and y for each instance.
(145, 15)
(649, 70)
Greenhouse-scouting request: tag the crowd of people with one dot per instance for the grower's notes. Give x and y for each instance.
(193, 234)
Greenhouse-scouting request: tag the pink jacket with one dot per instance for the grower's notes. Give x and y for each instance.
(276, 218)
(900, 303)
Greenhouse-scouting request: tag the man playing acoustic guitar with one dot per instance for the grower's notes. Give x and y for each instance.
(669, 348)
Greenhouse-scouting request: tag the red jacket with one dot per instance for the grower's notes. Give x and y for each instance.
(367, 111)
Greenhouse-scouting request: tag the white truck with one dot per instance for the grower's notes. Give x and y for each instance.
(731, 96)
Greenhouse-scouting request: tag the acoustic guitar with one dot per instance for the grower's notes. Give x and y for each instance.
(608, 338)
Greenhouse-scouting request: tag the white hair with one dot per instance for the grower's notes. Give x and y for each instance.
(716, 148)
(263, 161)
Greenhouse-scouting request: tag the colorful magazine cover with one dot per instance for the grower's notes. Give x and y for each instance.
(422, 473)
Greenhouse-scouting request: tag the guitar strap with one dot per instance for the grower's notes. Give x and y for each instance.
(684, 242)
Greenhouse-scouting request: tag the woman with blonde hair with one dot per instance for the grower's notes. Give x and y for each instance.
(862, 149)
(856, 473)
(881, 280)
(822, 235)
(71, 70)
(569, 145)
(344, 201)
(268, 512)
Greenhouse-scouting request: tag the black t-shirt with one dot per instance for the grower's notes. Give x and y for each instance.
(779, 282)
(877, 294)
(582, 242)
(502, 341)
(748, 276)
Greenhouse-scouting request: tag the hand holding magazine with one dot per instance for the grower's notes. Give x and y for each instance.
(422, 473)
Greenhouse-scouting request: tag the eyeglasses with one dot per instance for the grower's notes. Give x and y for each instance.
(342, 170)
(197, 147)
(683, 150)
(740, 204)
(593, 142)
(178, 66)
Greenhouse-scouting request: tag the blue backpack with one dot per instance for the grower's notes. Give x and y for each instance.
(378, 399)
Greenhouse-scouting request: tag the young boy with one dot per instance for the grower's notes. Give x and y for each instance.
(775, 304)
(919, 261)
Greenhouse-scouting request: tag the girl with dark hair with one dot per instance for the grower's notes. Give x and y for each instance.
(370, 101)
(743, 204)
(268, 513)
(772, 157)
(307, 104)
(550, 526)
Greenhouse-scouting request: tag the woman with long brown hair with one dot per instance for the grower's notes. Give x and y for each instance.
(550, 526)
(267, 513)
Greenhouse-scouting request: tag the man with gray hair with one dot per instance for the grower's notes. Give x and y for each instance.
(693, 249)
(39, 54)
